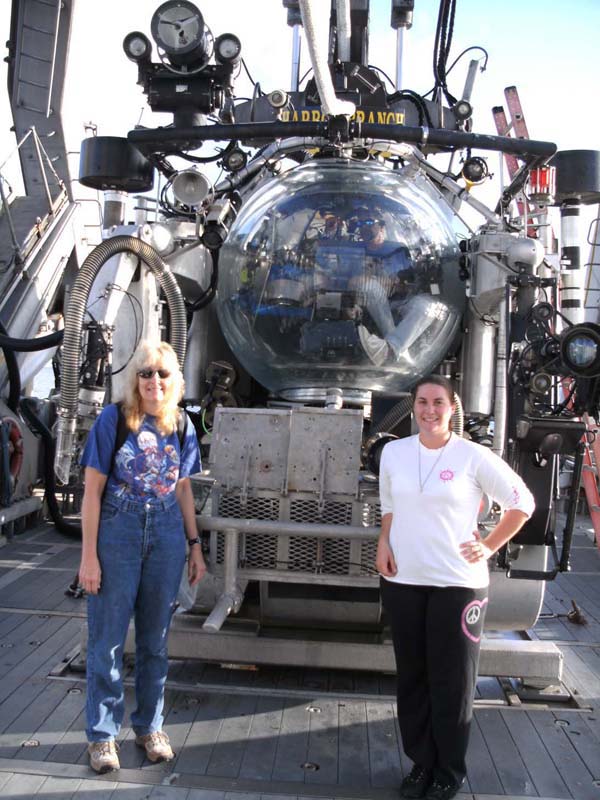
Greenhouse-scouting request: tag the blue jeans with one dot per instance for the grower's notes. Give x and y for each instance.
(141, 548)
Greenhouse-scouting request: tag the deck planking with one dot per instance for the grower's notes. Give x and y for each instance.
(323, 734)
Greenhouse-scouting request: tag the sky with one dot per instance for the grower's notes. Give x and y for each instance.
(549, 50)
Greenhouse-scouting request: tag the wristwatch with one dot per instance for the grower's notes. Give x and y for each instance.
(195, 540)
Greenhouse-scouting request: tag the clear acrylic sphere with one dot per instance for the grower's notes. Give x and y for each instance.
(341, 274)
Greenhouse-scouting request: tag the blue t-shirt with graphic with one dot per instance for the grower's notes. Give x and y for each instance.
(148, 464)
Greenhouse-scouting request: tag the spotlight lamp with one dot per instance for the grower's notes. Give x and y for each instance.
(228, 49)
(235, 160)
(580, 350)
(137, 47)
(475, 170)
(540, 383)
(462, 110)
(191, 187)
(278, 98)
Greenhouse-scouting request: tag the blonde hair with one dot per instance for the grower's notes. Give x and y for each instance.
(153, 354)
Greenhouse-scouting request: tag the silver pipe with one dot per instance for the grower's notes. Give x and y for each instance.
(222, 609)
(296, 55)
(231, 599)
(19, 509)
(114, 208)
(571, 271)
(344, 27)
(275, 149)
(399, 57)
(439, 178)
(334, 398)
(500, 395)
(319, 531)
(470, 81)
(448, 183)
(478, 365)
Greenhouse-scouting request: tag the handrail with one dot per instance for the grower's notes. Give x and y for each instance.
(11, 227)
(17, 147)
(59, 180)
(53, 64)
(45, 165)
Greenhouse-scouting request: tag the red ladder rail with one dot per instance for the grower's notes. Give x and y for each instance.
(519, 127)
(516, 112)
(503, 129)
(590, 476)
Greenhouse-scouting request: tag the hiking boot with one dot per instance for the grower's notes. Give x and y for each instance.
(103, 756)
(156, 745)
(416, 782)
(441, 791)
(375, 348)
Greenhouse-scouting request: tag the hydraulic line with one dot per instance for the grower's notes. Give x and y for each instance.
(32, 345)
(69, 394)
(156, 138)
(458, 418)
(395, 415)
(209, 293)
(69, 528)
(69, 391)
(14, 376)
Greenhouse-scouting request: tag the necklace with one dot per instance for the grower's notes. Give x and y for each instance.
(435, 463)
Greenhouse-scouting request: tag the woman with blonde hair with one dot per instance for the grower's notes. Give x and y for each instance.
(138, 510)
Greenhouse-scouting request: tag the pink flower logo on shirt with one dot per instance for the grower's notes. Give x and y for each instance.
(446, 475)
(516, 497)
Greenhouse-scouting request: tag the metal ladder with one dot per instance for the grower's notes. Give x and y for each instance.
(519, 127)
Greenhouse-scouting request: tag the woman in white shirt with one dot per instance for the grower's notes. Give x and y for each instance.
(435, 580)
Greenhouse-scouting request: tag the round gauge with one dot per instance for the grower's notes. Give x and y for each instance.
(178, 27)
(227, 48)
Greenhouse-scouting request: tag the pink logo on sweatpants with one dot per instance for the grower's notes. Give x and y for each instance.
(471, 616)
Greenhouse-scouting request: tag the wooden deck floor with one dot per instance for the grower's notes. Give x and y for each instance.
(277, 733)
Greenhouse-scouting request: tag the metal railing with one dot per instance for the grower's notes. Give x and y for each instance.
(47, 173)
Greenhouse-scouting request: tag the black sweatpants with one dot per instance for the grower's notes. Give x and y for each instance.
(436, 633)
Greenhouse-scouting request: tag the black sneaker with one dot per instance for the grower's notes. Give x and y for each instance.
(441, 791)
(416, 782)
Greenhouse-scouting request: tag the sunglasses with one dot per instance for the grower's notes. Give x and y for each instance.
(146, 374)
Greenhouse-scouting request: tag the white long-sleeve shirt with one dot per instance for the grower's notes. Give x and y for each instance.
(428, 525)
